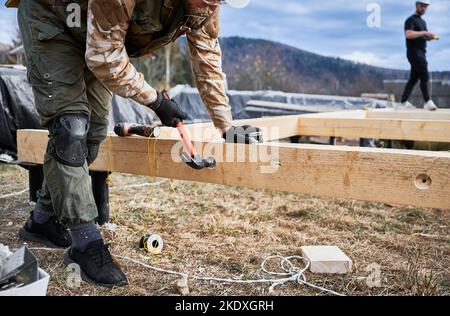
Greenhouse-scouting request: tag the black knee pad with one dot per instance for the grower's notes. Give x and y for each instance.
(68, 134)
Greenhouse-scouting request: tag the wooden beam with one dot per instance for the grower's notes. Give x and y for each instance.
(416, 178)
(379, 96)
(419, 114)
(274, 128)
(348, 114)
(282, 106)
(356, 124)
(381, 124)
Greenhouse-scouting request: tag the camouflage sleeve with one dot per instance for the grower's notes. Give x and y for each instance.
(206, 59)
(106, 55)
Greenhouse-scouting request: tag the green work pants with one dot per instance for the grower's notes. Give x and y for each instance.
(63, 84)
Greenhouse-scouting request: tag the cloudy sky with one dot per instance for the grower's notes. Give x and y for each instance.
(333, 28)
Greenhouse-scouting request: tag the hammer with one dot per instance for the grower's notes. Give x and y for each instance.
(191, 157)
(128, 129)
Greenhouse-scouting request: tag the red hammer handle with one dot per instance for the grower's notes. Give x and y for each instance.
(185, 138)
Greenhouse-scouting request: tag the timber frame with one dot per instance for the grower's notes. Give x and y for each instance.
(408, 177)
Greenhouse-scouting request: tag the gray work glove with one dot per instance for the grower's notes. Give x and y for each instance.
(243, 135)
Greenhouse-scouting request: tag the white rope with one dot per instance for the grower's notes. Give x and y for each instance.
(139, 185)
(292, 273)
(13, 194)
(46, 249)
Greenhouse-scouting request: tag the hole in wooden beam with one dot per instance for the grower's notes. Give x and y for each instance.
(423, 182)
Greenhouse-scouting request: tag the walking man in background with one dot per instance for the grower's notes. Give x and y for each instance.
(417, 35)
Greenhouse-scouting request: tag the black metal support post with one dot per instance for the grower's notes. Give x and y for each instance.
(100, 189)
(367, 142)
(35, 178)
(333, 141)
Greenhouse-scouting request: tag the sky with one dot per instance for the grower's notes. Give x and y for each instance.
(336, 28)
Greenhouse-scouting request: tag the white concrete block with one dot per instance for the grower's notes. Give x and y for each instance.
(327, 259)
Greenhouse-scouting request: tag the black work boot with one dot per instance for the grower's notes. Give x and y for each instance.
(52, 233)
(96, 265)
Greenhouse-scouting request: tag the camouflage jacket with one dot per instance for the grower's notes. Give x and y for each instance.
(117, 29)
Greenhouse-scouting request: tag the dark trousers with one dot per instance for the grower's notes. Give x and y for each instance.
(419, 71)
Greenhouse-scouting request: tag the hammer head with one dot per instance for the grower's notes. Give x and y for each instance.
(196, 162)
(121, 129)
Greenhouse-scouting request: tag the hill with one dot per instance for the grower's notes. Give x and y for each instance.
(254, 64)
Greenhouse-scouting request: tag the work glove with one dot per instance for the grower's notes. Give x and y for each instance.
(243, 135)
(167, 110)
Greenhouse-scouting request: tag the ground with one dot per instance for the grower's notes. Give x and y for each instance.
(225, 231)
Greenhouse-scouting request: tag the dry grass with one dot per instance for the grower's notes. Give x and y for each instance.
(226, 232)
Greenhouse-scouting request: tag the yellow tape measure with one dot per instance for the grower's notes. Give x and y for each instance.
(153, 243)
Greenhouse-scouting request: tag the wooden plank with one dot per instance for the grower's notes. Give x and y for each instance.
(347, 114)
(419, 114)
(354, 124)
(396, 129)
(274, 128)
(282, 106)
(391, 176)
(327, 259)
(379, 96)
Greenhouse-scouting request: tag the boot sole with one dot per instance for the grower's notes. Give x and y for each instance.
(27, 236)
(85, 278)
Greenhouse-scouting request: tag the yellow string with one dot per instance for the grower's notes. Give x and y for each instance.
(108, 180)
(152, 167)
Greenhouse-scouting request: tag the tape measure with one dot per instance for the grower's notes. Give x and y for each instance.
(153, 243)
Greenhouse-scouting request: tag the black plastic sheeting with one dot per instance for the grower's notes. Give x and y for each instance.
(191, 103)
(126, 110)
(17, 110)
